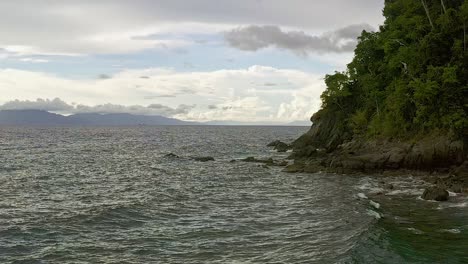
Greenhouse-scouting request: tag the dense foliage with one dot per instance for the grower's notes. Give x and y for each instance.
(410, 77)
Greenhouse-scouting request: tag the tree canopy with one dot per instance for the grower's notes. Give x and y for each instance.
(408, 78)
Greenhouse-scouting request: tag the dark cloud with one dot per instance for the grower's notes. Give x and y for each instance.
(253, 38)
(57, 105)
(268, 84)
(104, 76)
(212, 107)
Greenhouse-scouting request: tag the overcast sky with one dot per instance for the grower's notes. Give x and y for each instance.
(243, 60)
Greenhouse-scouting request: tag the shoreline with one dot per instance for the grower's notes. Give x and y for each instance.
(438, 159)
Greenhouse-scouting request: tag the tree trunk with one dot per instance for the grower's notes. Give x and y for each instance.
(443, 6)
(464, 36)
(427, 12)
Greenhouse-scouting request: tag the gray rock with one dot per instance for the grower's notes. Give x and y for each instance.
(203, 159)
(274, 143)
(280, 146)
(436, 194)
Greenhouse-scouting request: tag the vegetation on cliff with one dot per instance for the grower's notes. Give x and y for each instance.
(407, 79)
(402, 103)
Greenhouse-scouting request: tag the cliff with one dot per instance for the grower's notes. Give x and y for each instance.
(402, 103)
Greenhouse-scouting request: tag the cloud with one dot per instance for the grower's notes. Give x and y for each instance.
(34, 60)
(253, 38)
(39, 104)
(104, 76)
(59, 106)
(245, 94)
(153, 109)
(93, 27)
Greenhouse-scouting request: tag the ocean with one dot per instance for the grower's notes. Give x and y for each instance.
(111, 195)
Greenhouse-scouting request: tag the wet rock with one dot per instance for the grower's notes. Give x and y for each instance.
(171, 155)
(267, 162)
(293, 168)
(274, 143)
(436, 194)
(389, 186)
(249, 159)
(457, 188)
(255, 160)
(453, 182)
(280, 146)
(203, 159)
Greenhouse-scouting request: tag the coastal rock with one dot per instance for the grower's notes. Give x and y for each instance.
(436, 194)
(294, 168)
(171, 155)
(274, 143)
(203, 159)
(268, 162)
(280, 146)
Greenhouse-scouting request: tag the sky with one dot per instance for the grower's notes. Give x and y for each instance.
(197, 60)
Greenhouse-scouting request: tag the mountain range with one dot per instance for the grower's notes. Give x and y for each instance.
(44, 118)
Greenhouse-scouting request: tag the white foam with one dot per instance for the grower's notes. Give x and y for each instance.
(452, 205)
(374, 214)
(415, 231)
(374, 204)
(452, 194)
(453, 231)
(362, 196)
(414, 192)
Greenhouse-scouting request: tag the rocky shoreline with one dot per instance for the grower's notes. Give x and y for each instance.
(439, 159)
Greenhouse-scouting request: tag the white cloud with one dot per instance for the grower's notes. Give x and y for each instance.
(34, 60)
(240, 95)
(59, 106)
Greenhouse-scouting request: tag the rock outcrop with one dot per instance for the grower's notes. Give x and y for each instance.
(280, 146)
(267, 162)
(435, 194)
(327, 147)
(203, 159)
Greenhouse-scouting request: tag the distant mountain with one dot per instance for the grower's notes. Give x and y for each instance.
(39, 117)
(126, 120)
(31, 117)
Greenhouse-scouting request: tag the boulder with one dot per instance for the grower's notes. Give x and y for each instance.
(203, 159)
(269, 161)
(282, 147)
(436, 194)
(279, 146)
